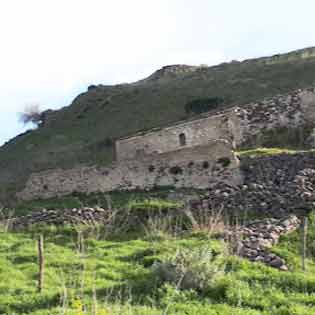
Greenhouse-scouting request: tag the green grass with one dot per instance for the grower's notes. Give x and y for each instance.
(265, 152)
(268, 152)
(158, 198)
(118, 266)
(118, 273)
(154, 205)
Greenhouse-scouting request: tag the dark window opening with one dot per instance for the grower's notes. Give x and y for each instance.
(176, 170)
(182, 139)
(205, 164)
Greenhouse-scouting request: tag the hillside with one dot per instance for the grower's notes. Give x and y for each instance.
(84, 131)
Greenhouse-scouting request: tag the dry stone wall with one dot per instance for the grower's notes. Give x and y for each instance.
(196, 167)
(293, 110)
(82, 216)
(281, 111)
(272, 186)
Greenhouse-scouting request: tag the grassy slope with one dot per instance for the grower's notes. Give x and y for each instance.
(118, 200)
(119, 273)
(78, 133)
(261, 151)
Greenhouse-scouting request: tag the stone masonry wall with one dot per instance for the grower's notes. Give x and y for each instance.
(239, 125)
(196, 167)
(197, 132)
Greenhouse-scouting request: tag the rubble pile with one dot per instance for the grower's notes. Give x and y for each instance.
(273, 186)
(259, 236)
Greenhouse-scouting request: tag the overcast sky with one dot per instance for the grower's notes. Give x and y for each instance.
(51, 50)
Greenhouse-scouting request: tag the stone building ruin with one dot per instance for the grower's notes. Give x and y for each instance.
(238, 125)
(196, 153)
(182, 135)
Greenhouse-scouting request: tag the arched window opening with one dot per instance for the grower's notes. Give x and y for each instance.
(182, 139)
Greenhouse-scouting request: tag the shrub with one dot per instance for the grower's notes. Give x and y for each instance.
(154, 216)
(190, 269)
(108, 142)
(153, 205)
(203, 105)
(206, 222)
(31, 114)
(169, 295)
(224, 161)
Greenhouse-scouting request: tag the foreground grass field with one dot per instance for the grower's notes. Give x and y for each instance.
(86, 273)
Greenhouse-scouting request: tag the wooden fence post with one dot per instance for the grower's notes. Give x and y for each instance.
(41, 263)
(304, 241)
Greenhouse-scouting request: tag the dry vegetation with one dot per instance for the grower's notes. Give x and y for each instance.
(31, 114)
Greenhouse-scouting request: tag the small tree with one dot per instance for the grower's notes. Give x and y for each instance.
(31, 114)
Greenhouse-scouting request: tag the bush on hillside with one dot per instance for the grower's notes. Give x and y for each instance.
(154, 216)
(31, 114)
(190, 268)
(202, 105)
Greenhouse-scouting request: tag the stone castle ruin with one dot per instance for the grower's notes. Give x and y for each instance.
(197, 153)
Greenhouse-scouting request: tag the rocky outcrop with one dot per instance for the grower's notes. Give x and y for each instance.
(293, 56)
(169, 72)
